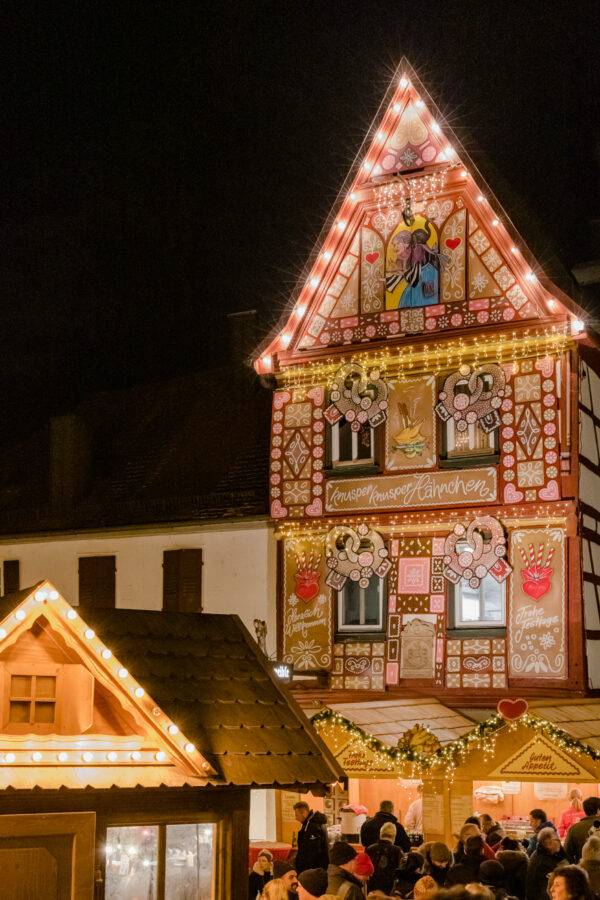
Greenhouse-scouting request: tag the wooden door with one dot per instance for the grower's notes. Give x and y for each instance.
(47, 856)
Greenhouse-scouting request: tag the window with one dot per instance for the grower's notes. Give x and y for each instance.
(361, 609)
(473, 442)
(182, 580)
(351, 448)
(160, 861)
(11, 581)
(480, 607)
(32, 699)
(97, 581)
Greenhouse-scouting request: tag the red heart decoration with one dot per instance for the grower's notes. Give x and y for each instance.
(536, 587)
(372, 257)
(512, 709)
(453, 243)
(307, 585)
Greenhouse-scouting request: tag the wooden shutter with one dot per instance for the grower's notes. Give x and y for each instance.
(182, 580)
(11, 580)
(97, 581)
(75, 699)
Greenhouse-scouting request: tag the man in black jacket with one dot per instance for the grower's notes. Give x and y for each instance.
(369, 833)
(579, 832)
(313, 851)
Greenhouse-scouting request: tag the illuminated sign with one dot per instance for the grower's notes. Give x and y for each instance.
(283, 671)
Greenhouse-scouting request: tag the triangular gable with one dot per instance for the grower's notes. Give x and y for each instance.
(540, 758)
(481, 272)
(163, 745)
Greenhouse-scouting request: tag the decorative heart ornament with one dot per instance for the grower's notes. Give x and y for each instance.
(537, 574)
(372, 258)
(453, 243)
(511, 710)
(307, 576)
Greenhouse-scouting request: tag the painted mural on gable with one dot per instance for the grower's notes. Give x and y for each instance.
(433, 269)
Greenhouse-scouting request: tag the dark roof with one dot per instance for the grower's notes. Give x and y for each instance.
(209, 676)
(194, 447)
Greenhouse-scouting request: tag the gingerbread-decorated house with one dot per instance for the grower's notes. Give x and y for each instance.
(434, 460)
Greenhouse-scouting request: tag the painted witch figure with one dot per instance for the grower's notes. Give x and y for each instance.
(413, 259)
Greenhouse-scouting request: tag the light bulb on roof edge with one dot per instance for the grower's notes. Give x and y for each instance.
(90, 634)
(300, 310)
(136, 755)
(327, 255)
(551, 303)
(36, 757)
(53, 595)
(189, 748)
(2, 634)
(480, 198)
(463, 173)
(111, 756)
(314, 281)
(9, 758)
(352, 196)
(404, 82)
(435, 128)
(577, 326)
(514, 249)
(106, 654)
(173, 729)
(87, 756)
(139, 692)
(396, 107)
(530, 276)
(495, 222)
(71, 614)
(266, 361)
(380, 135)
(285, 339)
(20, 615)
(40, 596)
(62, 756)
(160, 756)
(122, 673)
(419, 103)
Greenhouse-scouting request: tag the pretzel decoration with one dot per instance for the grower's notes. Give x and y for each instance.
(479, 404)
(359, 396)
(355, 554)
(483, 555)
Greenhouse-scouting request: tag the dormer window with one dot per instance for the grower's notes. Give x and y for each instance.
(32, 699)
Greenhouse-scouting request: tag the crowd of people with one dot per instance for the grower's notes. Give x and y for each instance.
(555, 863)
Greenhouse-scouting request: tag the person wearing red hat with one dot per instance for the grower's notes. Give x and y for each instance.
(363, 869)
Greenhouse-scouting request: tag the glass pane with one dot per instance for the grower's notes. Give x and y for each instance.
(19, 711)
(20, 686)
(372, 603)
(364, 443)
(345, 439)
(469, 608)
(351, 603)
(131, 862)
(190, 862)
(492, 600)
(43, 713)
(45, 686)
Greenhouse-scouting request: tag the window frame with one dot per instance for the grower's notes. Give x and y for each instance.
(32, 699)
(480, 623)
(31, 670)
(465, 458)
(345, 630)
(222, 841)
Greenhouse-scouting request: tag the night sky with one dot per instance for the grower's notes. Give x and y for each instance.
(168, 163)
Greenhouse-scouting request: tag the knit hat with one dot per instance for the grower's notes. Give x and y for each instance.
(281, 867)
(363, 866)
(341, 853)
(314, 881)
(387, 830)
(439, 853)
(423, 886)
(492, 872)
(474, 845)
(591, 848)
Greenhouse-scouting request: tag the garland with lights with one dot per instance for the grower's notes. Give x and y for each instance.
(451, 755)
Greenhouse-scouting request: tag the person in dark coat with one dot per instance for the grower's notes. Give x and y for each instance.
(538, 820)
(578, 833)
(546, 858)
(438, 860)
(514, 859)
(369, 833)
(493, 875)
(385, 856)
(408, 873)
(340, 873)
(260, 874)
(312, 838)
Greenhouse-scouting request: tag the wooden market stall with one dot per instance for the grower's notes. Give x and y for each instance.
(505, 766)
(129, 743)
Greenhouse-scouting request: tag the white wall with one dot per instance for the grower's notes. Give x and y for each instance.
(238, 576)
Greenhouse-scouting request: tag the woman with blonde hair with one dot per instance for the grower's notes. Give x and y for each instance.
(275, 890)
(573, 813)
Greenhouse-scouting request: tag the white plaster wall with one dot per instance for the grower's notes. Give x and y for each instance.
(262, 816)
(238, 576)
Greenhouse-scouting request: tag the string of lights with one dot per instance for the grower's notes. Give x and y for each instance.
(482, 737)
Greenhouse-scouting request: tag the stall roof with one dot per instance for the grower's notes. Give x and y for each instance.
(579, 720)
(388, 720)
(205, 673)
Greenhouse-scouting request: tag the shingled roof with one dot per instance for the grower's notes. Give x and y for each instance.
(207, 674)
(190, 448)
